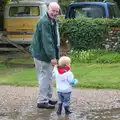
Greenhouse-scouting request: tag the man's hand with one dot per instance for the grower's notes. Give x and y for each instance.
(54, 62)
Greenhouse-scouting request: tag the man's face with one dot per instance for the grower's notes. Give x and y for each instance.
(53, 12)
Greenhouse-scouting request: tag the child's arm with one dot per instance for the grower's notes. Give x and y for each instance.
(54, 72)
(71, 79)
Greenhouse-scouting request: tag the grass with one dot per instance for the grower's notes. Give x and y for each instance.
(89, 76)
(18, 76)
(97, 75)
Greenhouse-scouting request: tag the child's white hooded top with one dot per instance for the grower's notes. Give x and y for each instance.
(64, 79)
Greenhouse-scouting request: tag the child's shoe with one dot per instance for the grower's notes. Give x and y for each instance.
(67, 111)
(59, 109)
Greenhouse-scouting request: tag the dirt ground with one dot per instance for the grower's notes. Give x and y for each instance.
(19, 103)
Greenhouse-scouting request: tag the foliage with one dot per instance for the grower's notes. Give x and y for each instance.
(118, 2)
(87, 67)
(94, 56)
(64, 4)
(88, 33)
(3, 3)
(109, 58)
(84, 33)
(84, 56)
(88, 75)
(97, 75)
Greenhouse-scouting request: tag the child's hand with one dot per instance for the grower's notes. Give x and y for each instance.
(76, 81)
(54, 71)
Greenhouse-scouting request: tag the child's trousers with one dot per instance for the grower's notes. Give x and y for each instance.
(64, 98)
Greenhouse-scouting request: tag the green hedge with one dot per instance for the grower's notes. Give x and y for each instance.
(86, 33)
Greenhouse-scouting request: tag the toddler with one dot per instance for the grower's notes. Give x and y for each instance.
(64, 81)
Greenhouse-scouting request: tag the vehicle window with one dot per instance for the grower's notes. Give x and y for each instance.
(23, 11)
(114, 11)
(93, 11)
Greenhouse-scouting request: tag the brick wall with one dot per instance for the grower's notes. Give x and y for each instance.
(112, 42)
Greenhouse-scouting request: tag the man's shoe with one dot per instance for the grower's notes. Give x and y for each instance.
(52, 102)
(45, 105)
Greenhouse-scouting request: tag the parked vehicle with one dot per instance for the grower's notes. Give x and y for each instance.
(1, 19)
(20, 19)
(93, 10)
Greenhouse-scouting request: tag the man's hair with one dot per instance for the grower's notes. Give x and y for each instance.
(64, 60)
(55, 4)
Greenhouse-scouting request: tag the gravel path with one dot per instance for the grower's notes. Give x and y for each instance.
(19, 103)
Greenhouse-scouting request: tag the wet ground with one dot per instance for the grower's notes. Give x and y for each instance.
(19, 103)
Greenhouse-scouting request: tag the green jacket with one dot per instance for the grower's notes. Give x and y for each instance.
(44, 45)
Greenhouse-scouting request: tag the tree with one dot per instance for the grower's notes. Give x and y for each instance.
(3, 3)
(118, 2)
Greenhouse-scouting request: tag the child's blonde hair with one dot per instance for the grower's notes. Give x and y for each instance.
(64, 60)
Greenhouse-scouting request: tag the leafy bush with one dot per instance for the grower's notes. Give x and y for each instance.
(84, 56)
(87, 33)
(83, 33)
(109, 58)
(94, 56)
(3, 3)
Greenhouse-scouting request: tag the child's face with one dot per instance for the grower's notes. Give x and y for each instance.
(69, 64)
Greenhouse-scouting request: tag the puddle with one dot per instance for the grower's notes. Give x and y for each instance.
(118, 101)
(3, 114)
(9, 115)
(38, 114)
(112, 114)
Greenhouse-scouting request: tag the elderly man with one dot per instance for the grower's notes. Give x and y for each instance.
(45, 51)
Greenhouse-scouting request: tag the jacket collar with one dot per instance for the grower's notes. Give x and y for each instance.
(63, 69)
(49, 19)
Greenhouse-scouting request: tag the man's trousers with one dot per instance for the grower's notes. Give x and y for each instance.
(44, 74)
